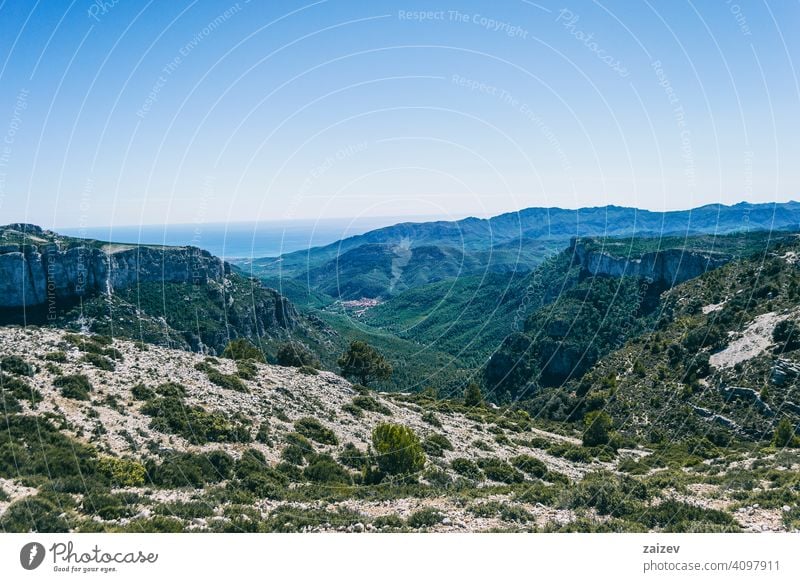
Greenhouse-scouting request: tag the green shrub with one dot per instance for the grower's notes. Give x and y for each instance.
(38, 513)
(785, 434)
(363, 362)
(262, 436)
(467, 468)
(388, 521)
(351, 456)
(242, 349)
(504, 511)
(472, 395)
(142, 392)
(194, 423)
(679, 517)
(171, 390)
(597, 431)
(436, 444)
(316, 431)
(13, 389)
(246, 370)
(293, 454)
(500, 471)
(31, 446)
(426, 517)
(787, 335)
(16, 365)
(371, 405)
(351, 408)
(227, 381)
(431, 419)
(398, 449)
(99, 361)
(56, 356)
(122, 472)
(530, 465)
(296, 355)
(609, 494)
(109, 506)
(257, 476)
(76, 386)
(191, 469)
(324, 469)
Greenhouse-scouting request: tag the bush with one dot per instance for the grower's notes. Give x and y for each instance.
(436, 444)
(76, 386)
(39, 513)
(787, 335)
(431, 419)
(142, 392)
(13, 389)
(242, 349)
(56, 356)
(598, 429)
(246, 370)
(500, 471)
(608, 494)
(171, 390)
(352, 457)
(316, 431)
(388, 521)
(122, 472)
(256, 476)
(109, 506)
(363, 362)
(191, 469)
(295, 355)
(680, 517)
(99, 361)
(472, 395)
(227, 381)
(371, 405)
(398, 449)
(16, 365)
(194, 423)
(426, 517)
(293, 454)
(30, 446)
(785, 434)
(467, 468)
(530, 465)
(324, 469)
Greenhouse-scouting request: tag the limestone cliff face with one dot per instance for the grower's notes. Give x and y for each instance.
(668, 267)
(45, 269)
(184, 294)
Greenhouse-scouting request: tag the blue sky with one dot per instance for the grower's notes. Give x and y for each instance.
(142, 112)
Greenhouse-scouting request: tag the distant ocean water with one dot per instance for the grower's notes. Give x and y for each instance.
(242, 240)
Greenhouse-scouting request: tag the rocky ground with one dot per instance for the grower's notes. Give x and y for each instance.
(112, 421)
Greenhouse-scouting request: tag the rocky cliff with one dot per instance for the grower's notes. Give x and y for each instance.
(38, 267)
(668, 267)
(171, 295)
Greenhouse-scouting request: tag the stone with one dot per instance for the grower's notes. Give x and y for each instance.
(668, 267)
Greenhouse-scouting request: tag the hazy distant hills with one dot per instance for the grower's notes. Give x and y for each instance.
(389, 260)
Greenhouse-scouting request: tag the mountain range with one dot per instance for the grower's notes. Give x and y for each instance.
(620, 371)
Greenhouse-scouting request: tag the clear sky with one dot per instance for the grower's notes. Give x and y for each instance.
(134, 112)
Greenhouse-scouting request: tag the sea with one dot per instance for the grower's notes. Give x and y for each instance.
(242, 240)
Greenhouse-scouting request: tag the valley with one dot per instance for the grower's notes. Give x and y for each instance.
(605, 380)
